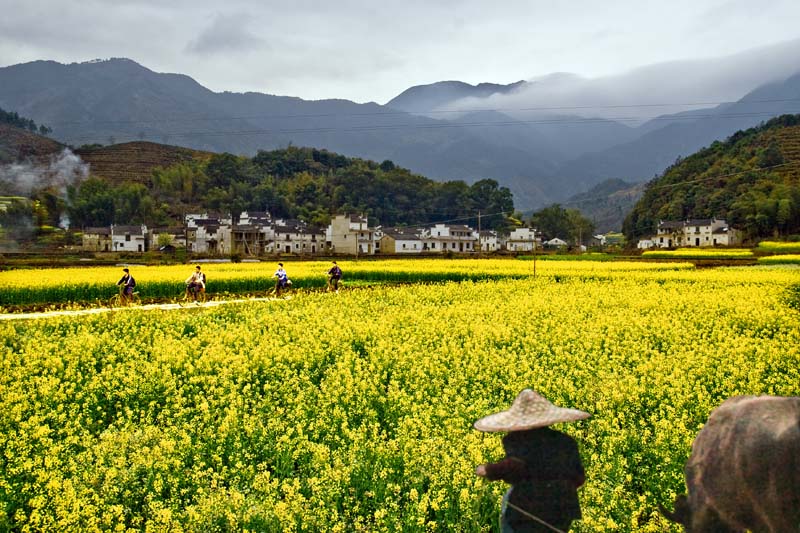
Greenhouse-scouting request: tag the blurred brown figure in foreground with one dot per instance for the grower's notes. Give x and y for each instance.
(542, 465)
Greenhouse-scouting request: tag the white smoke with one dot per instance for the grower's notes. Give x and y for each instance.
(61, 171)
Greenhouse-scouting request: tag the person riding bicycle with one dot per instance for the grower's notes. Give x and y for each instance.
(334, 276)
(196, 283)
(126, 285)
(282, 281)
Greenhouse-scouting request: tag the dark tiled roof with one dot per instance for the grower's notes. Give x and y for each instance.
(700, 222)
(97, 231)
(206, 221)
(401, 235)
(248, 228)
(127, 230)
(670, 224)
(458, 227)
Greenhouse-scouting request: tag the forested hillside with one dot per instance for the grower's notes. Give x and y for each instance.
(302, 183)
(21, 138)
(752, 180)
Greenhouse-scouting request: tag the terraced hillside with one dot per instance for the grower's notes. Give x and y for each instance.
(789, 141)
(134, 162)
(17, 144)
(752, 180)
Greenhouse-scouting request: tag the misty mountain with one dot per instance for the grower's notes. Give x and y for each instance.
(646, 92)
(423, 99)
(546, 139)
(672, 136)
(118, 100)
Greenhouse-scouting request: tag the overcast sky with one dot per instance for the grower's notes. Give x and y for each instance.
(372, 50)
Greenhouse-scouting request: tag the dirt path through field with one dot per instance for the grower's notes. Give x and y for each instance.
(100, 310)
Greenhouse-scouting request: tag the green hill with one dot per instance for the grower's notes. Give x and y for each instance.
(156, 185)
(752, 180)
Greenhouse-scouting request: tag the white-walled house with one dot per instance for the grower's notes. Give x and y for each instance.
(450, 238)
(129, 238)
(488, 240)
(555, 242)
(523, 240)
(298, 238)
(693, 232)
(401, 241)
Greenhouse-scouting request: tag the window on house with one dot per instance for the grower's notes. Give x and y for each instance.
(127, 238)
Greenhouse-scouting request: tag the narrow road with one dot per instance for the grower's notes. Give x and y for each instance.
(100, 310)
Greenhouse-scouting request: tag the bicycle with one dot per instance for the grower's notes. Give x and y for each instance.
(117, 300)
(280, 289)
(197, 293)
(334, 284)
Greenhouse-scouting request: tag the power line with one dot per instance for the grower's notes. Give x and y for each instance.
(444, 125)
(432, 112)
(678, 184)
(709, 178)
(459, 219)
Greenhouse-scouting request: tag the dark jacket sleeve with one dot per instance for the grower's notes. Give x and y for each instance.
(514, 470)
(510, 469)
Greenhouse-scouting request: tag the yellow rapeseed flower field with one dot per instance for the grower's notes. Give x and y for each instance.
(353, 411)
(699, 253)
(95, 285)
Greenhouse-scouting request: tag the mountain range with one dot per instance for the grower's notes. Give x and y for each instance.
(532, 136)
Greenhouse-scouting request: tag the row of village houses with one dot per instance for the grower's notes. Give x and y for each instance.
(692, 233)
(256, 233)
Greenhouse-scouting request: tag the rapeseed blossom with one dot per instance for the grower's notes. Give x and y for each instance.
(354, 412)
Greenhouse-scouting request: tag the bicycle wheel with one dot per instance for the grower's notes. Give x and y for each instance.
(113, 301)
(135, 299)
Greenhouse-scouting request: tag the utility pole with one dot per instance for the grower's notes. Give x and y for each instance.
(480, 246)
(534, 253)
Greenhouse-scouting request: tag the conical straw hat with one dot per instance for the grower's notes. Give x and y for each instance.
(530, 410)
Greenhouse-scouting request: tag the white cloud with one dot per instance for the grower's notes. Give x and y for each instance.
(226, 34)
(365, 50)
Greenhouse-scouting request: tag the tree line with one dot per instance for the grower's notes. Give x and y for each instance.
(13, 119)
(293, 183)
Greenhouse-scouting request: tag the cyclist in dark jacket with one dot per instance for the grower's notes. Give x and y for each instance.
(126, 285)
(334, 276)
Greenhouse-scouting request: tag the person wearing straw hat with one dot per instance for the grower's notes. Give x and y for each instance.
(542, 465)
